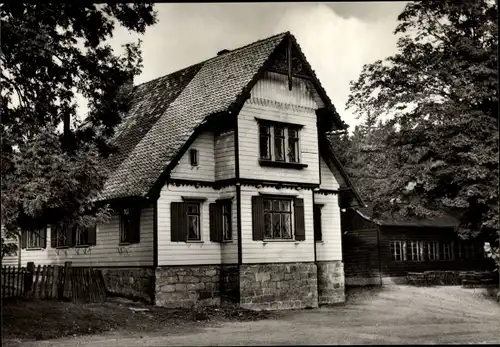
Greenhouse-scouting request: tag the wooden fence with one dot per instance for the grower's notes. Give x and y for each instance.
(53, 282)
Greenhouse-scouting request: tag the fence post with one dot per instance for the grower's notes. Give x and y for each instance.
(67, 280)
(55, 282)
(28, 277)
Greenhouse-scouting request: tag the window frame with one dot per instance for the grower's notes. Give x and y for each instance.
(226, 220)
(197, 214)
(34, 234)
(279, 212)
(270, 136)
(194, 157)
(78, 233)
(133, 213)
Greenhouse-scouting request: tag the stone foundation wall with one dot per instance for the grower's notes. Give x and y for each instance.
(331, 282)
(278, 286)
(134, 283)
(183, 286)
(230, 283)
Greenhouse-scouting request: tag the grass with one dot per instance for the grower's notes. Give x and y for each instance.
(54, 319)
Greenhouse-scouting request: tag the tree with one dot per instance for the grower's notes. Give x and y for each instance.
(441, 92)
(50, 54)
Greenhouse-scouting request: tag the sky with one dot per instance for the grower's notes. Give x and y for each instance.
(337, 38)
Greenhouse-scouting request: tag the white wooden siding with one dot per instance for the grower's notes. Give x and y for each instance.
(106, 252)
(275, 251)
(248, 131)
(274, 86)
(205, 169)
(224, 156)
(194, 253)
(329, 179)
(330, 248)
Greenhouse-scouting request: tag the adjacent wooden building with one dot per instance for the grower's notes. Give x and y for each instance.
(383, 252)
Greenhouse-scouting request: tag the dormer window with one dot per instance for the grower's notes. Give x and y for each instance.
(279, 144)
(193, 157)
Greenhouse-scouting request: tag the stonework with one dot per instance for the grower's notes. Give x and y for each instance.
(278, 286)
(230, 283)
(331, 285)
(135, 283)
(184, 286)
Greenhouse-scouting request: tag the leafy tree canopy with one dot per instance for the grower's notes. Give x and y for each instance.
(50, 53)
(441, 93)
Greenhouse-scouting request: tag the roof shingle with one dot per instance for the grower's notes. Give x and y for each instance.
(166, 112)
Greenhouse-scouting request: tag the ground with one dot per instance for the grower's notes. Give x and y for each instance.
(393, 315)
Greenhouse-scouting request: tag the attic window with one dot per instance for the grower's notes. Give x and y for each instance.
(193, 157)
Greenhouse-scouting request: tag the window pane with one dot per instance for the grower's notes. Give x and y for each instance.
(286, 226)
(193, 228)
(292, 133)
(192, 208)
(268, 226)
(276, 205)
(279, 148)
(264, 130)
(265, 143)
(276, 225)
(285, 205)
(227, 227)
(292, 150)
(279, 131)
(267, 204)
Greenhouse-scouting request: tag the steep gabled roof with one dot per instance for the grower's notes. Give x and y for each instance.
(167, 111)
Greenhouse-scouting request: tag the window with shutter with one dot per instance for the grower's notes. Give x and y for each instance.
(130, 225)
(220, 221)
(35, 239)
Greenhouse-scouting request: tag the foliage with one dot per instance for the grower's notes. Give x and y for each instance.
(441, 93)
(51, 53)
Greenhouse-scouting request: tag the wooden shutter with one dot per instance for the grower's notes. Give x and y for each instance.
(70, 235)
(43, 236)
(135, 219)
(300, 230)
(318, 234)
(92, 235)
(215, 222)
(24, 237)
(258, 218)
(53, 233)
(178, 221)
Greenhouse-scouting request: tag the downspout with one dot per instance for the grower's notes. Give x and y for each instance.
(378, 256)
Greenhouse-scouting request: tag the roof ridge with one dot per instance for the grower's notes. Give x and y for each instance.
(216, 56)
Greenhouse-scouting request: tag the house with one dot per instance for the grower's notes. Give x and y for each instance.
(383, 251)
(225, 187)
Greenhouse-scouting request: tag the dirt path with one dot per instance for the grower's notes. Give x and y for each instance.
(393, 315)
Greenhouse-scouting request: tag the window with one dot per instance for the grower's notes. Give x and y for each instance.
(226, 222)
(446, 253)
(193, 157)
(193, 221)
(414, 251)
(130, 225)
(272, 218)
(397, 250)
(61, 237)
(279, 142)
(277, 218)
(220, 221)
(431, 250)
(318, 235)
(34, 239)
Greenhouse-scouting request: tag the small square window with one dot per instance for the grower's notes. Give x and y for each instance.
(193, 155)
